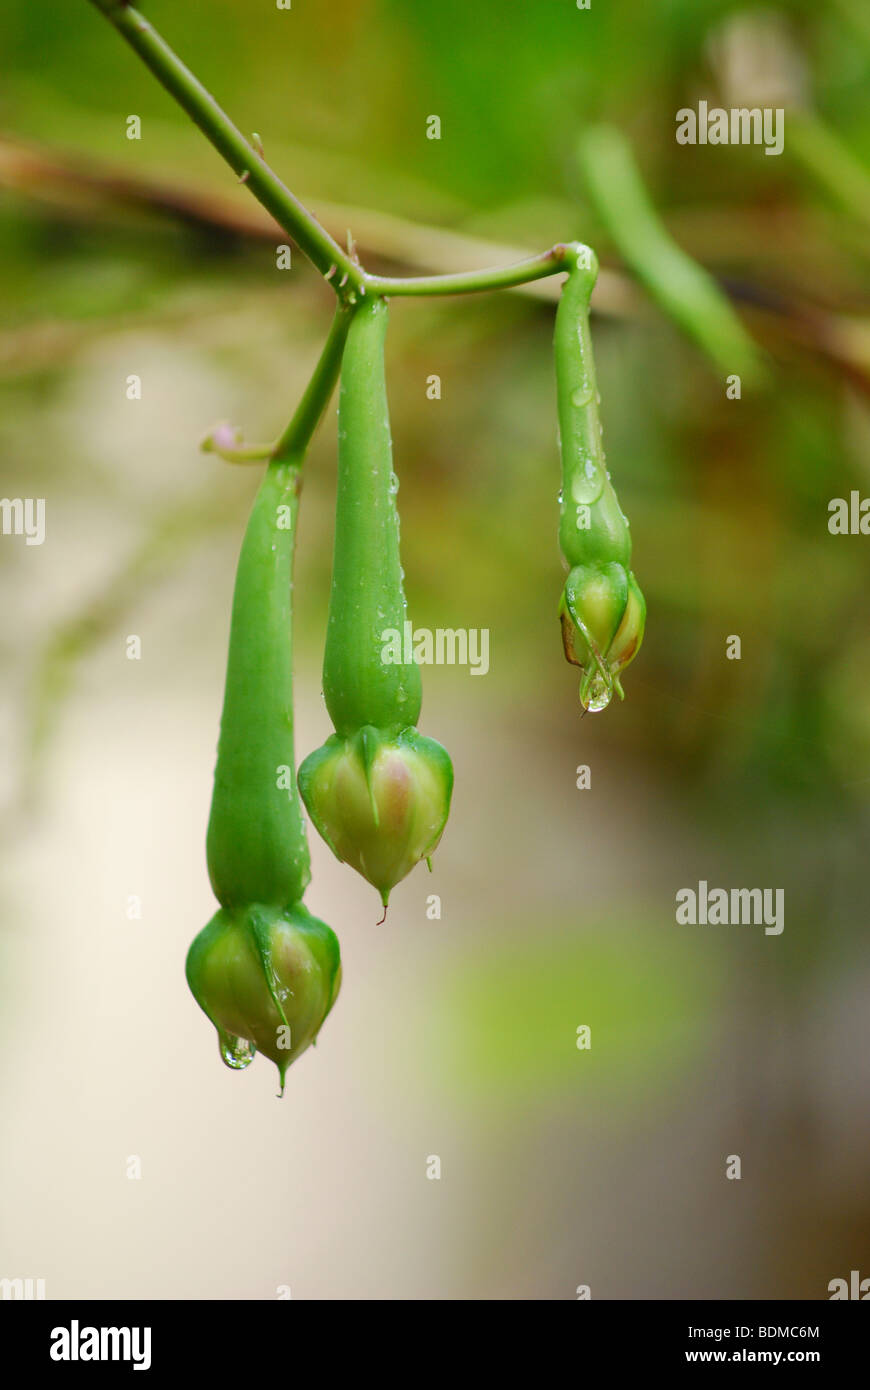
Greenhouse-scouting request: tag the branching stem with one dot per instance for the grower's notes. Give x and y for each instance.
(242, 157)
(474, 281)
(340, 268)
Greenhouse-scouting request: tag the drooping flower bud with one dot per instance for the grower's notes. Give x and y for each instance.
(377, 791)
(266, 977)
(602, 613)
(380, 801)
(602, 609)
(264, 971)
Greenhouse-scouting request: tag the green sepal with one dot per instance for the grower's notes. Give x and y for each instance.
(368, 742)
(258, 969)
(261, 927)
(595, 597)
(602, 612)
(310, 775)
(379, 800)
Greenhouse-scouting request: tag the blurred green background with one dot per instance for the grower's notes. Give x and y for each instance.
(454, 1037)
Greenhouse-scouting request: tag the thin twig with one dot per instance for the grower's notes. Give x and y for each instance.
(247, 163)
(228, 140)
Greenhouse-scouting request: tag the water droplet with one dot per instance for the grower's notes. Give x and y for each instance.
(588, 482)
(582, 396)
(394, 485)
(235, 1052)
(561, 497)
(597, 693)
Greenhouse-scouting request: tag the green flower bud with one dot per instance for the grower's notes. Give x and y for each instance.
(602, 613)
(379, 801)
(266, 977)
(602, 609)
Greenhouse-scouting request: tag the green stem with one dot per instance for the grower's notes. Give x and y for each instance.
(828, 159)
(296, 437)
(255, 845)
(240, 453)
(686, 292)
(367, 597)
(242, 157)
(475, 281)
(309, 412)
(346, 276)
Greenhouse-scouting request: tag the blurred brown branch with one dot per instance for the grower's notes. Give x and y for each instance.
(79, 188)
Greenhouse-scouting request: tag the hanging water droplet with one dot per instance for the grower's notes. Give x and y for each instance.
(235, 1052)
(597, 694)
(394, 485)
(561, 497)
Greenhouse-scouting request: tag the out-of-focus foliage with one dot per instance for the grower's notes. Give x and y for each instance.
(501, 1022)
(768, 757)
